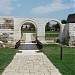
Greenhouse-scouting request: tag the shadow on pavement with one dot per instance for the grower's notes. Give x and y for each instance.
(28, 47)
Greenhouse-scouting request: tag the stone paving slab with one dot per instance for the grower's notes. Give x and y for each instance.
(31, 64)
(28, 38)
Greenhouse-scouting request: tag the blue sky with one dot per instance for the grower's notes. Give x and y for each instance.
(57, 9)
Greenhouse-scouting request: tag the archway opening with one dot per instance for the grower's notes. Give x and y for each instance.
(52, 31)
(28, 32)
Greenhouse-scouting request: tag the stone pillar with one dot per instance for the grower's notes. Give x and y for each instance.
(41, 33)
(62, 28)
(61, 31)
(17, 30)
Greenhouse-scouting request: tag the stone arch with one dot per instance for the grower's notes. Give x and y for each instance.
(30, 21)
(55, 20)
(38, 23)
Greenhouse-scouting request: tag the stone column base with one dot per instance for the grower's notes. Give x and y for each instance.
(41, 39)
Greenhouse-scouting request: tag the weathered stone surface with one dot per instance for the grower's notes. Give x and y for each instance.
(31, 64)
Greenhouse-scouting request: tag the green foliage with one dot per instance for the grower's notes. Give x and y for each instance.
(63, 21)
(29, 29)
(47, 28)
(57, 26)
(67, 65)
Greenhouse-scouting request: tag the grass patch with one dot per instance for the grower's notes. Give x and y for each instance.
(27, 31)
(6, 55)
(67, 65)
(51, 35)
(57, 32)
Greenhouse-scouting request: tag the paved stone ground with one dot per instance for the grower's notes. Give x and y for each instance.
(31, 63)
(28, 38)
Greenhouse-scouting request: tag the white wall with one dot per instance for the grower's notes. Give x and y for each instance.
(8, 31)
(72, 31)
(1, 21)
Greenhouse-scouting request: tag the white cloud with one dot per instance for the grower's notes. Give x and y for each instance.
(56, 5)
(6, 6)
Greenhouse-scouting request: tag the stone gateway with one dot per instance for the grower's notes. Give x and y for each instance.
(11, 27)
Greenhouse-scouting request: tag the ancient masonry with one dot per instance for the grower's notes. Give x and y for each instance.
(39, 24)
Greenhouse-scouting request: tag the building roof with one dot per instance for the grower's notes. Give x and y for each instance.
(71, 18)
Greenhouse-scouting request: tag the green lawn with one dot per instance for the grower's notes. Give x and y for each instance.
(47, 32)
(6, 55)
(27, 31)
(51, 35)
(57, 32)
(67, 65)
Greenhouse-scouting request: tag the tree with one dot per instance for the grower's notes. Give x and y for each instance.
(57, 27)
(32, 27)
(63, 21)
(47, 28)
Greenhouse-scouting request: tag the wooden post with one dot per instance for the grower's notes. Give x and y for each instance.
(61, 52)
